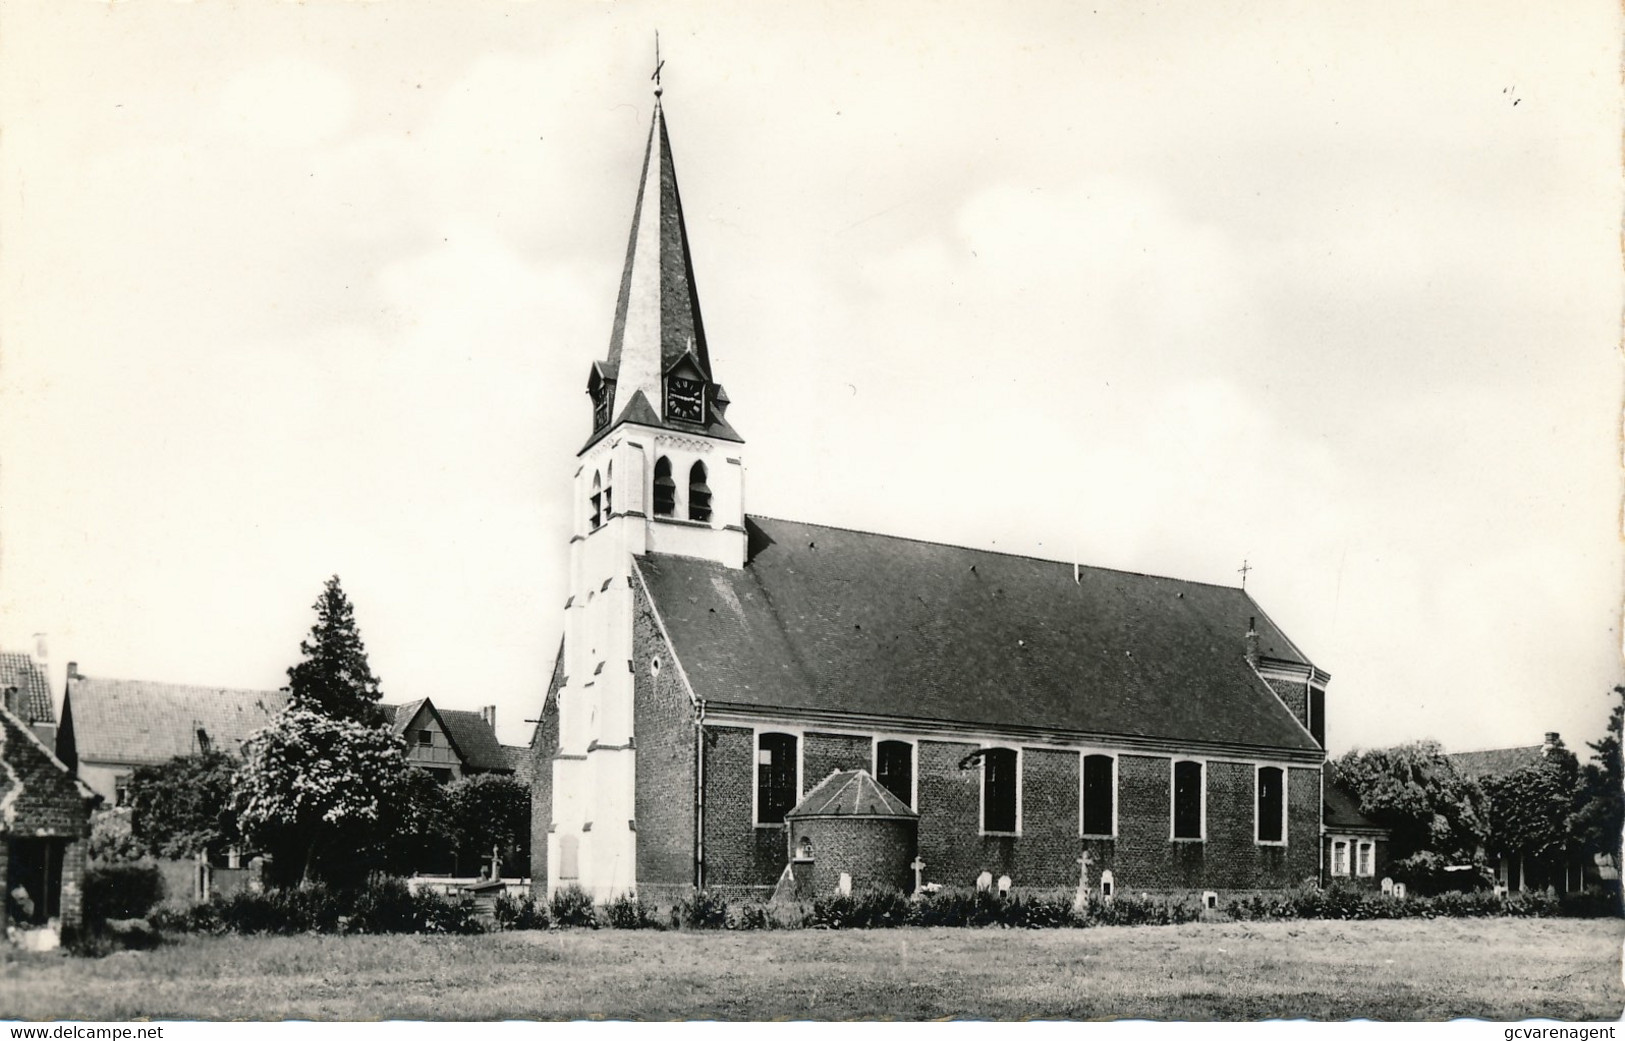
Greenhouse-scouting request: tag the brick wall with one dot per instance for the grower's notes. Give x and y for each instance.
(544, 744)
(874, 852)
(1295, 695)
(1047, 852)
(823, 754)
(50, 804)
(1142, 857)
(663, 728)
(738, 855)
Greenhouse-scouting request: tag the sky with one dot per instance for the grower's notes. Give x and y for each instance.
(293, 290)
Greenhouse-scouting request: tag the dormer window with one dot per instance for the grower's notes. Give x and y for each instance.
(600, 408)
(685, 399)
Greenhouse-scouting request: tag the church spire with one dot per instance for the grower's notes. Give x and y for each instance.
(657, 347)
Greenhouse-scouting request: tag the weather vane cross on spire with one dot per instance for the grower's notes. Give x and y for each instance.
(658, 64)
(1243, 569)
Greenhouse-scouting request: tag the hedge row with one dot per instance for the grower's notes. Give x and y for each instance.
(570, 907)
(383, 905)
(388, 906)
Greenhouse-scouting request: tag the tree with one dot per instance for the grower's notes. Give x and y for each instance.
(489, 810)
(334, 678)
(313, 784)
(1599, 819)
(183, 806)
(1415, 792)
(1530, 809)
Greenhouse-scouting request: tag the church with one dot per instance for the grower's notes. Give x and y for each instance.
(743, 704)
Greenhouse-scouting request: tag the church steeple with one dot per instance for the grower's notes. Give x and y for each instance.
(658, 372)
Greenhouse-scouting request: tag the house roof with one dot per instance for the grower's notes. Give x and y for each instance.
(33, 781)
(139, 721)
(471, 736)
(851, 793)
(1342, 812)
(19, 670)
(826, 619)
(1493, 762)
(475, 739)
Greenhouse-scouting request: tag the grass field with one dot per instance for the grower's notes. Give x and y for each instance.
(1401, 970)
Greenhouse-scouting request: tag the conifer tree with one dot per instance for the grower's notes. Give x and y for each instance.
(334, 679)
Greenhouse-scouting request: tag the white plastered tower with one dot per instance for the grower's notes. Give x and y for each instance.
(662, 473)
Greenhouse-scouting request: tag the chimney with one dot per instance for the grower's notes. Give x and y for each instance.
(1252, 642)
(489, 714)
(1551, 742)
(11, 699)
(73, 671)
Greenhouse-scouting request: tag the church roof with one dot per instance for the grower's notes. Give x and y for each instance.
(657, 312)
(851, 793)
(825, 622)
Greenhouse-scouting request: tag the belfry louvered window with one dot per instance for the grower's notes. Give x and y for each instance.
(596, 518)
(699, 494)
(665, 489)
(776, 770)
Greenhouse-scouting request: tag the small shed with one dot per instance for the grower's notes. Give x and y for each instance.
(44, 831)
(850, 825)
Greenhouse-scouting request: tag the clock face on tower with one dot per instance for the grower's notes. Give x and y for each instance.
(685, 399)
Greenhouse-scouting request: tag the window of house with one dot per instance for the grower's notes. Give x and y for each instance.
(1365, 860)
(665, 489)
(424, 737)
(441, 774)
(999, 799)
(1188, 799)
(776, 772)
(894, 768)
(1317, 716)
(1099, 792)
(121, 791)
(1340, 858)
(1271, 809)
(597, 500)
(699, 494)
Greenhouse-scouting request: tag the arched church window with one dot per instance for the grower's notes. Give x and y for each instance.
(609, 476)
(596, 517)
(699, 494)
(665, 489)
(777, 772)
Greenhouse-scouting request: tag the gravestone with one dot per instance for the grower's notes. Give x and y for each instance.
(984, 881)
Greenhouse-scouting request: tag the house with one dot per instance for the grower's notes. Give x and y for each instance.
(44, 829)
(1515, 872)
(452, 743)
(111, 726)
(1035, 717)
(1355, 847)
(25, 689)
